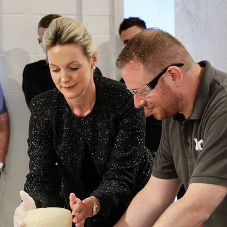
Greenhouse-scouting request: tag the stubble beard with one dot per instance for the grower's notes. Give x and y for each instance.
(169, 105)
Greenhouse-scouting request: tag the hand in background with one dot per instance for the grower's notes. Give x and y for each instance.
(20, 212)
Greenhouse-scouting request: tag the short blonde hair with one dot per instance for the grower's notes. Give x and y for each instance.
(66, 30)
(154, 49)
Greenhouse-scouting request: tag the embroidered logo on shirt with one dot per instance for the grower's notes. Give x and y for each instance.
(198, 144)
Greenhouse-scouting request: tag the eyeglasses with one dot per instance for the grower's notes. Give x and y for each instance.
(143, 91)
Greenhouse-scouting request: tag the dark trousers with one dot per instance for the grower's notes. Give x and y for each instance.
(181, 192)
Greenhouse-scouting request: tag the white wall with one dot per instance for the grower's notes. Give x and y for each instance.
(18, 47)
(201, 26)
(155, 13)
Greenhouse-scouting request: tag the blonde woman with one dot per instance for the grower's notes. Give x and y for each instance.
(90, 127)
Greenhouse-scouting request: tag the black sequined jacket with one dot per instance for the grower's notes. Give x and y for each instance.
(114, 134)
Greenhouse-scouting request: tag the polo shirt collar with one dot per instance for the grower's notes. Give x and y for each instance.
(203, 93)
(202, 96)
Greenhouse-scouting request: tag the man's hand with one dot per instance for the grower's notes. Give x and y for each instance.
(20, 212)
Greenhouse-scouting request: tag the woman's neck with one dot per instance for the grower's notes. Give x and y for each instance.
(82, 105)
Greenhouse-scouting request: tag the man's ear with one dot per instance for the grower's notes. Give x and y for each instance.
(176, 75)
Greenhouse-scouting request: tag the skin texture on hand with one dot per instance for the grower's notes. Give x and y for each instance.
(20, 212)
(79, 210)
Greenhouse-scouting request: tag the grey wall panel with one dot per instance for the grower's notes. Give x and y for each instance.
(201, 26)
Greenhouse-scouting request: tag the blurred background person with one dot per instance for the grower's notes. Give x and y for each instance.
(4, 130)
(36, 75)
(130, 27)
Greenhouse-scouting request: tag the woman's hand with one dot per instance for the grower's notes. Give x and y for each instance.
(80, 210)
(20, 212)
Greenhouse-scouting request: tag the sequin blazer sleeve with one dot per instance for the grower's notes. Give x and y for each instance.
(130, 163)
(40, 183)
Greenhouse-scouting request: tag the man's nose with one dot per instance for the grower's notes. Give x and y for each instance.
(138, 101)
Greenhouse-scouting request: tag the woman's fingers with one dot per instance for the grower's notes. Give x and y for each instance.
(80, 224)
(78, 210)
(28, 201)
(72, 200)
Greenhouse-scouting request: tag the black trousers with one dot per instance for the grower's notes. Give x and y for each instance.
(181, 192)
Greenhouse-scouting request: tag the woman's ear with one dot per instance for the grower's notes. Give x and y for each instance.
(176, 75)
(94, 59)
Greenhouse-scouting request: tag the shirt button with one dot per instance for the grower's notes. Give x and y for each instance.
(187, 144)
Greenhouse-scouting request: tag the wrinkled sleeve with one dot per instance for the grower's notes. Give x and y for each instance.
(211, 164)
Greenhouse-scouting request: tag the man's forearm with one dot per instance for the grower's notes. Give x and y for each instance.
(194, 207)
(139, 213)
(180, 214)
(149, 203)
(4, 136)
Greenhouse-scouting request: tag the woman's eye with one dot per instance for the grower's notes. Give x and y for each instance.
(55, 70)
(73, 69)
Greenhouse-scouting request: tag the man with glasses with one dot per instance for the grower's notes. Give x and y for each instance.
(4, 130)
(191, 99)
